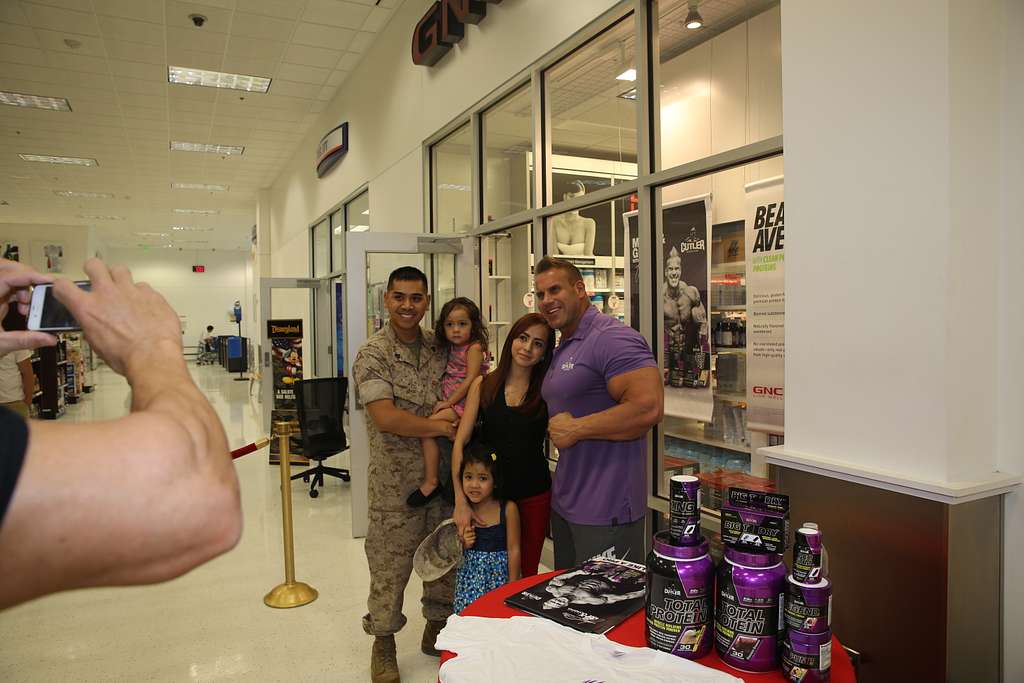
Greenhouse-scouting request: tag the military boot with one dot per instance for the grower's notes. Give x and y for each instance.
(384, 661)
(430, 632)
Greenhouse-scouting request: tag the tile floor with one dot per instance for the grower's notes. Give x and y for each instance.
(212, 625)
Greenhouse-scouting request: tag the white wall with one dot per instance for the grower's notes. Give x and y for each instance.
(203, 298)
(76, 240)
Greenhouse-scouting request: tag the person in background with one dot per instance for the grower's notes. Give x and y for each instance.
(514, 418)
(604, 393)
(137, 500)
(17, 380)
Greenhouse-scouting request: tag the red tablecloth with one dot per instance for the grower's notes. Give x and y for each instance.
(631, 632)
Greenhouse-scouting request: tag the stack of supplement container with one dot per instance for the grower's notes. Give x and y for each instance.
(807, 647)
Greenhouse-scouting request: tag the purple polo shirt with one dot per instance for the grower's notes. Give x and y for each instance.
(597, 482)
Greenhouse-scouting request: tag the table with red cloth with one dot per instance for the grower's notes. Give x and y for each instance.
(631, 632)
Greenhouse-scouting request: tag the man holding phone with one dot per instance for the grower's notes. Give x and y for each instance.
(136, 500)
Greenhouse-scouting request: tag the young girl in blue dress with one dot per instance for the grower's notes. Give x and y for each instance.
(491, 556)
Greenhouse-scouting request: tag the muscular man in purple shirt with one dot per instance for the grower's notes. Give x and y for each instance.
(603, 392)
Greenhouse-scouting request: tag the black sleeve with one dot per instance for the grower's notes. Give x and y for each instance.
(13, 442)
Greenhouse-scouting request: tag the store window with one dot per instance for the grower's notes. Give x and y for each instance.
(338, 240)
(506, 281)
(603, 269)
(321, 242)
(719, 282)
(591, 100)
(720, 85)
(442, 283)
(451, 167)
(508, 155)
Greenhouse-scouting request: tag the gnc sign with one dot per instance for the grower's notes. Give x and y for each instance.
(443, 25)
(768, 391)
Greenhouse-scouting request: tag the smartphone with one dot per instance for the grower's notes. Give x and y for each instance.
(46, 314)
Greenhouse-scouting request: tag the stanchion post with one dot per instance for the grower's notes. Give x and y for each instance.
(291, 593)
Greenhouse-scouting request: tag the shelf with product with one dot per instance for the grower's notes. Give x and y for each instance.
(506, 282)
(52, 378)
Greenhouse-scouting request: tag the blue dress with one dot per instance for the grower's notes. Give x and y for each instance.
(484, 566)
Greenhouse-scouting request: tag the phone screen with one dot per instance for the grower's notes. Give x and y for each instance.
(55, 316)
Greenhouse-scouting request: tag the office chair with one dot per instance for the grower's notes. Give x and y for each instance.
(321, 403)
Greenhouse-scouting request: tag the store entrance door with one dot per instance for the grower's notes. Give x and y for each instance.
(369, 258)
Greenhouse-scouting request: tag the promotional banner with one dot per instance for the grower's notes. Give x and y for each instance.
(766, 305)
(683, 300)
(286, 369)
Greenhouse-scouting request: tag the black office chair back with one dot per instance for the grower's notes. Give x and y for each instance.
(321, 403)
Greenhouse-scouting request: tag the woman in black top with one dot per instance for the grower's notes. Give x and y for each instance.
(514, 422)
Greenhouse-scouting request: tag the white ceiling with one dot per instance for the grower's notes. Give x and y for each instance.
(124, 112)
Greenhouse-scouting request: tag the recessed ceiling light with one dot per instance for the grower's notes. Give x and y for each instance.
(693, 18)
(17, 99)
(179, 146)
(627, 75)
(189, 228)
(366, 213)
(100, 218)
(83, 195)
(199, 186)
(150, 234)
(205, 212)
(76, 161)
(216, 79)
(359, 228)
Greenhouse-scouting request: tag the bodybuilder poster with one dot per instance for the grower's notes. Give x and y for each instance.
(286, 369)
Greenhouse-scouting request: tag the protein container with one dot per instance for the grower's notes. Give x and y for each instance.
(809, 555)
(684, 515)
(808, 607)
(680, 590)
(749, 610)
(807, 657)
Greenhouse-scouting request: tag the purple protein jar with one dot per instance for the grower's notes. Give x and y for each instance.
(680, 588)
(684, 513)
(808, 607)
(748, 610)
(807, 657)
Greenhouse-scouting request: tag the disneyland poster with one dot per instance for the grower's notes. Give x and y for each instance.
(286, 369)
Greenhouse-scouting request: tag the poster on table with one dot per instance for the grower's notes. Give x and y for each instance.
(11, 251)
(286, 370)
(766, 305)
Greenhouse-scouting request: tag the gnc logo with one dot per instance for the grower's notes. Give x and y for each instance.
(768, 391)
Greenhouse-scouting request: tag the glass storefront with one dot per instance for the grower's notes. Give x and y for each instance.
(452, 182)
(508, 156)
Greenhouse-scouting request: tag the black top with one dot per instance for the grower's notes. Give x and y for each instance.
(519, 442)
(13, 442)
(491, 539)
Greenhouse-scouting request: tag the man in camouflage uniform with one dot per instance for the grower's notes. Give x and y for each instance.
(398, 379)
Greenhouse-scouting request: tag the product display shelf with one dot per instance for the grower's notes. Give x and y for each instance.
(730, 267)
(700, 438)
(604, 277)
(506, 278)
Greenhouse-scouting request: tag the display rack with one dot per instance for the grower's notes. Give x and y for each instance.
(506, 282)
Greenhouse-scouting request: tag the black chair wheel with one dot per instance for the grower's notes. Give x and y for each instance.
(345, 477)
(313, 493)
(305, 478)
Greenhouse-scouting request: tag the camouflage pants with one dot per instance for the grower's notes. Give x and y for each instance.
(391, 540)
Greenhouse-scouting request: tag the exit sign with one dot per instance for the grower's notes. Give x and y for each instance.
(198, 269)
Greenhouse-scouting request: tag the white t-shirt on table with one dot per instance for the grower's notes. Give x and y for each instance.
(11, 388)
(538, 650)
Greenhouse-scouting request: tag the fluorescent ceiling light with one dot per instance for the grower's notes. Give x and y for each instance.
(627, 75)
(205, 212)
(150, 234)
(75, 161)
(216, 79)
(179, 146)
(359, 228)
(628, 95)
(83, 195)
(366, 213)
(17, 99)
(189, 228)
(199, 186)
(101, 218)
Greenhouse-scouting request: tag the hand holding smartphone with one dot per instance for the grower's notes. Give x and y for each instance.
(46, 314)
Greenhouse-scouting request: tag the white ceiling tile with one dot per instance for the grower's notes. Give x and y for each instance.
(302, 74)
(140, 87)
(217, 19)
(72, 62)
(154, 72)
(211, 61)
(327, 93)
(18, 54)
(361, 43)
(192, 117)
(185, 131)
(318, 35)
(377, 19)
(77, 5)
(336, 78)
(13, 34)
(348, 61)
(239, 46)
(199, 41)
(390, 4)
(180, 104)
(116, 28)
(86, 45)
(311, 56)
(317, 107)
(335, 13)
(144, 113)
(57, 19)
(11, 13)
(284, 9)
(136, 52)
(140, 10)
(259, 26)
(291, 89)
(250, 66)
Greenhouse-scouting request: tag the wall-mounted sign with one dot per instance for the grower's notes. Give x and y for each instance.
(443, 25)
(286, 369)
(198, 269)
(332, 147)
